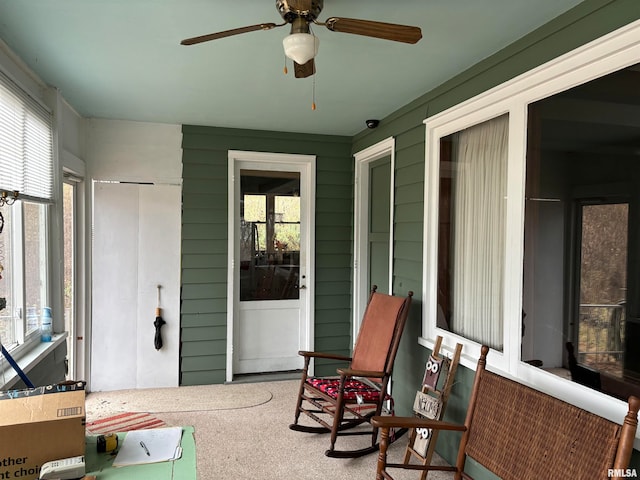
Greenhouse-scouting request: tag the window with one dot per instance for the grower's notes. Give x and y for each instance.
(26, 152)
(26, 166)
(569, 265)
(23, 244)
(471, 223)
(580, 262)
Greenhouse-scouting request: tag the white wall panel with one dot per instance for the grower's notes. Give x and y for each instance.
(115, 287)
(136, 246)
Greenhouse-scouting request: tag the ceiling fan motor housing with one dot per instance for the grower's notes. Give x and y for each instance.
(291, 9)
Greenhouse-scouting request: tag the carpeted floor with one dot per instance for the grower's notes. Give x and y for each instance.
(242, 433)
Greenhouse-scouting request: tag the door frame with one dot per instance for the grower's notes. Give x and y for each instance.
(271, 161)
(361, 288)
(74, 172)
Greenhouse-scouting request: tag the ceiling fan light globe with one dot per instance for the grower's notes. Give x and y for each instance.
(300, 47)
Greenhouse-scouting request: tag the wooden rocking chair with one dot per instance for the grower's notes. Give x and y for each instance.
(359, 391)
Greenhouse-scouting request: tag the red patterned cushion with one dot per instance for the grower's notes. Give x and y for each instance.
(330, 386)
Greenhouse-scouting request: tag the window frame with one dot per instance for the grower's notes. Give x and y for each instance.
(605, 55)
(29, 349)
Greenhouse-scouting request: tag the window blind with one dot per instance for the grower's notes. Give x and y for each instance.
(26, 143)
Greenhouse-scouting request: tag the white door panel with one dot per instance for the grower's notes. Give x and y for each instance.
(270, 336)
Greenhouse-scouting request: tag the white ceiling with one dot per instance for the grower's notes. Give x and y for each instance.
(122, 59)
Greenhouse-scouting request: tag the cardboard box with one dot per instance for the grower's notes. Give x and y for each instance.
(40, 425)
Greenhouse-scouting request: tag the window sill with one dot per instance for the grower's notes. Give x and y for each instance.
(470, 350)
(9, 377)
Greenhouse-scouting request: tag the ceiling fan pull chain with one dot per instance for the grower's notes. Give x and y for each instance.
(313, 101)
(285, 70)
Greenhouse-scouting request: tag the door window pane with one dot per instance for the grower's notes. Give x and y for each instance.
(269, 235)
(69, 213)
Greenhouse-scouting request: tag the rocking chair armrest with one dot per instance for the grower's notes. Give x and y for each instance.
(330, 356)
(414, 422)
(348, 372)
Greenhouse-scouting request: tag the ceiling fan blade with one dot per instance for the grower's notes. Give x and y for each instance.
(228, 33)
(368, 28)
(305, 70)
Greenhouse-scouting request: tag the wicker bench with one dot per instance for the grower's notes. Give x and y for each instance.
(519, 433)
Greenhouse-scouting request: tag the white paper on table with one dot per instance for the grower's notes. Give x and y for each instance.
(163, 444)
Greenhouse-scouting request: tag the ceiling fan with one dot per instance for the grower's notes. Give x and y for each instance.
(301, 45)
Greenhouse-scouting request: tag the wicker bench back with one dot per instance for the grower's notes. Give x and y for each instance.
(520, 433)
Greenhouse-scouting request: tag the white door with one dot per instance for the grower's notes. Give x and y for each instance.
(136, 248)
(270, 262)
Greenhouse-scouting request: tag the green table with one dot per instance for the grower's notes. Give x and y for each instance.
(100, 464)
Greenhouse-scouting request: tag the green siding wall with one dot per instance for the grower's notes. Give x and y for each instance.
(204, 242)
(586, 22)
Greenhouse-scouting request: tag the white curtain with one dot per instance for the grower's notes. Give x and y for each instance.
(479, 193)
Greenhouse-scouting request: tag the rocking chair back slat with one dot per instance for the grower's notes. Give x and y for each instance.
(375, 342)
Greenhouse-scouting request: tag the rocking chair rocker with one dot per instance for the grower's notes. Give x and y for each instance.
(359, 392)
